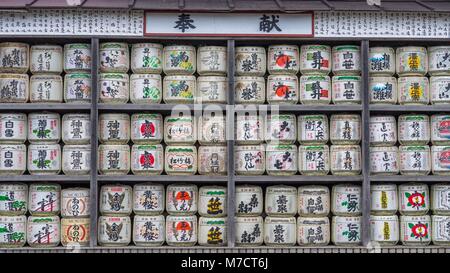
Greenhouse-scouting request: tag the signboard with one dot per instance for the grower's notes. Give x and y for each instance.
(229, 24)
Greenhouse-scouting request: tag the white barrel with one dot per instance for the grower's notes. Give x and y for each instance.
(44, 159)
(114, 88)
(146, 58)
(283, 59)
(147, 159)
(212, 60)
(413, 199)
(440, 230)
(14, 199)
(346, 60)
(43, 231)
(413, 90)
(146, 128)
(180, 129)
(315, 59)
(383, 131)
(415, 230)
(411, 61)
(383, 90)
(212, 89)
(44, 199)
(439, 90)
(14, 88)
(181, 230)
(413, 129)
(75, 202)
(281, 128)
(440, 129)
(212, 231)
(346, 200)
(148, 199)
(179, 60)
(249, 90)
(149, 230)
(282, 89)
(345, 128)
(314, 159)
(313, 129)
(46, 59)
(384, 199)
(116, 200)
(440, 160)
(77, 88)
(248, 231)
(114, 57)
(440, 201)
(14, 231)
(249, 128)
(382, 61)
(76, 159)
(280, 231)
(179, 89)
(249, 159)
(75, 232)
(145, 88)
(438, 60)
(182, 199)
(44, 127)
(249, 200)
(114, 128)
(13, 159)
(346, 89)
(346, 230)
(46, 88)
(76, 128)
(212, 160)
(281, 201)
(114, 231)
(281, 159)
(384, 230)
(313, 231)
(415, 160)
(77, 58)
(345, 159)
(180, 160)
(384, 160)
(250, 61)
(313, 201)
(212, 201)
(212, 128)
(315, 89)
(113, 159)
(13, 128)
(14, 57)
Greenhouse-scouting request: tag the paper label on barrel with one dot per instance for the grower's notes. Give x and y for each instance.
(416, 229)
(180, 129)
(43, 231)
(280, 233)
(441, 158)
(74, 234)
(346, 58)
(212, 162)
(441, 199)
(115, 230)
(282, 128)
(13, 201)
(346, 88)
(415, 160)
(12, 159)
(313, 232)
(12, 232)
(413, 90)
(76, 160)
(46, 59)
(315, 58)
(441, 128)
(180, 231)
(383, 90)
(382, 61)
(13, 89)
(414, 200)
(111, 89)
(383, 132)
(180, 59)
(313, 202)
(281, 202)
(248, 129)
(45, 89)
(347, 231)
(46, 199)
(384, 200)
(249, 233)
(345, 160)
(313, 128)
(75, 206)
(281, 161)
(147, 57)
(384, 231)
(440, 89)
(182, 201)
(441, 229)
(144, 159)
(249, 160)
(179, 89)
(283, 59)
(345, 130)
(213, 202)
(14, 57)
(114, 129)
(213, 129)
(114, 160)
(114, 57)
(247, 91)
(348, 201)
(147, 89)
(77, 57)
(44, 128)
(212, 91)
(249, 202)
(252, 61)
(282, 89)
(412, 62)
(212, 60)
(44, 159)
(76, 129)
(147, 128)
(147, 231)
(384, 162)
(13, 129)
(148, 200)
(116, 199)
(180, 161)
(314, 159)
(78, 87)
(315, 88)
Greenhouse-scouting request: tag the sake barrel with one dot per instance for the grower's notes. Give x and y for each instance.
(13, 159)
(249, 128)
(75, 202)
(411, 61)
(149, 230)
(314, 159)
(381, 61)
(180, 160)
(438, 61)
(77, 88)
(413, 199)
(315, 59)
(182, 199)
(440, 160)
(116, 200)
(212, 89)
(145, 88)
(14, 231)
(249, 159)
(179, 89)
(440, 201)
(180, 129)
(346, 200)
(346, 60)
(440, 129)
(346, 230)
(77, 57)
(212, 60)
(179, 60)
(44, 199)
(148, 199)
(147, 159)
(384, 160)
(114, 57)
(383, 131)
(13, 199)
(315, 89)
(313, 129)
(14, 57)
(345, 128)
(46, 59)
(44, 127)
(44, 159)
(212, 160)
(248, 231)
(75, 232)
(415, 160)
(440, 230)
(346, 89)
(250, 60)
(313, 231)
(415, 230)
(280, 231)
(212, 128)
(282, 89)
(281, 159)
(114, 88)
(384, 229)
(212, 201)
(281, 201)
(147, 128)
(313, 201)
(43, 231)
(281, 128)
(13, 128)
(146, 58)
(212, 231)
(413, 90)
(14, 88)
(439, 91)
(413, 129)
(249, 200)
(249, 90)
(383, 90)
(283, 59)
(113, 159)
(114, 231)
(384, 199)
(76, 159)
(181, 230)
(345, 159)
(114, 128)
(46, 88)
(76, 128)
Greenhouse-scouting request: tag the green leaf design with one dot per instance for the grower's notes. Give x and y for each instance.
(4, 198)
(423, 194)
(423, 205)
(409, 205)
(345, 203)
(410, 225)
(412, 235)
(407, 194)
(345, 233)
